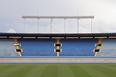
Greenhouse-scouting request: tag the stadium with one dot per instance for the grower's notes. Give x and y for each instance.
(58, 54)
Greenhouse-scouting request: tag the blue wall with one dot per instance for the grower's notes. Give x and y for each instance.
(74, 47)
(32, 47)
(81, 47)
(35, 47)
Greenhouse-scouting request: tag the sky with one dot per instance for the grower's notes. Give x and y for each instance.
(11, 12)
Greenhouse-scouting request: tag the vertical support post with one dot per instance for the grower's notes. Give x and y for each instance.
(91, 25)
(57, 53)
(98, 47)
(38, 25)
(77, 25)
(24, 25)
(58, 41)
(64, 25)
(51, 26)
(17, 47)
(95, 53)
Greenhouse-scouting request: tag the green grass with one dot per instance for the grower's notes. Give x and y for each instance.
(57, 70)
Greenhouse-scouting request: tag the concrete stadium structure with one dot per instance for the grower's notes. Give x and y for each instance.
(57, 47)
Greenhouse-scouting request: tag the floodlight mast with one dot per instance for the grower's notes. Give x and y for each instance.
(61, 17)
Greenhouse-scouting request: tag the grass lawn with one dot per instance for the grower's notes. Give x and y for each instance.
(57, 70)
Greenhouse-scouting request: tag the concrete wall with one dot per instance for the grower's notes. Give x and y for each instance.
(58, 60)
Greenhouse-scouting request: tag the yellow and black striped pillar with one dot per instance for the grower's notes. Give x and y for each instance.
(98, 45)
(58, 44)
(19, 50)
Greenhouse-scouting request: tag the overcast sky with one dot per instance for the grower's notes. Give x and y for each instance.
(11, 12)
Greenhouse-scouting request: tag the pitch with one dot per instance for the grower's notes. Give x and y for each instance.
(57, 70)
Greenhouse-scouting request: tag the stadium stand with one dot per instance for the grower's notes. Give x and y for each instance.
(34, 47)
(80, 47)
(57, 47)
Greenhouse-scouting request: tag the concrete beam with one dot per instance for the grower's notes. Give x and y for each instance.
(58, 17)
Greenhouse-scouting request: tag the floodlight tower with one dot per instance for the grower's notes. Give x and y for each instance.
(60, 17)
